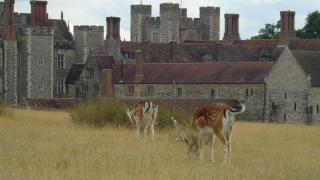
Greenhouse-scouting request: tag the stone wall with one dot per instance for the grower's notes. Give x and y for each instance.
(288, 91)
(40, 65)
(315, 104)
(10, 72)
(61, 73)
(88, 39)
(138, 15)
(252, 95)
(169, 22)
(210, 23)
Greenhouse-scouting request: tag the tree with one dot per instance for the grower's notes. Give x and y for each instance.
(270, 31)
(311, 30)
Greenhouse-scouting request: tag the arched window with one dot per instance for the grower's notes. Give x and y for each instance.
(213, 93)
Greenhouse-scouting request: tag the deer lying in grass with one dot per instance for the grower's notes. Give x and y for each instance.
(144, 117)
(214, 120)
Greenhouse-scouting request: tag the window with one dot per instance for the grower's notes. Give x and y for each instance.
(155, 36)
(206, 57)
(266, 58)
(90, 72)
(295, 106)
(247, 92)
(85, 88)
(128, 55)
(311, 109)
(60, 86)
(60, 61)
(131, 89)
(40, 62)
(213, 93)
(317, 108)
(150, 89)
(251, 90)
(96, 88)
(284, 117)
(40, 87)
(179, 92)
(307, 110)
(285, 95)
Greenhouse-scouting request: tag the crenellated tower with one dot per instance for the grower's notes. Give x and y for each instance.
(210, 23)
(138, 15)
(169, 22)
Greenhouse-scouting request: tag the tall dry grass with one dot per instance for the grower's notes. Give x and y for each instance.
(47, 145)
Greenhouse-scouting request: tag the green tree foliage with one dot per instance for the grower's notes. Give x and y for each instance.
(311, 30)
(270, 31)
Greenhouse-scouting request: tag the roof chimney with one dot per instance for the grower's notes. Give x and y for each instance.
(39, 15)
(9, 30)
(231, 28)
(113, 27)
(287, 25)
(139, 66)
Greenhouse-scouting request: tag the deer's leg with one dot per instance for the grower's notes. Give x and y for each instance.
(152, 132)
(212, 141)
(200, 143)
(225, 146)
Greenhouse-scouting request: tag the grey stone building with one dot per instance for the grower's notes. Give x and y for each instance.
(293, 88)
(173, 24)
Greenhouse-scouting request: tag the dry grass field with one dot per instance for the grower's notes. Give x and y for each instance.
(46, 145)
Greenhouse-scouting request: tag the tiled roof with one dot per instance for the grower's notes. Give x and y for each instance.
(239, 73)
(310, 63)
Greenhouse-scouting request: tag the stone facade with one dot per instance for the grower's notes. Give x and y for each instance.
(88, 39)
(40, 64)
(10, 72)
(173, 24)
(290, 93)
(250, 94)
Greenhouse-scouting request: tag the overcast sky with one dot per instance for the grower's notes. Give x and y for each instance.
(253, 13)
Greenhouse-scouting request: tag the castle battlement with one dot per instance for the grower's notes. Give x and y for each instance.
(88, 28)
(155, 20)
(42, 31)
(172, 20)
(169, 6)
(141, 8)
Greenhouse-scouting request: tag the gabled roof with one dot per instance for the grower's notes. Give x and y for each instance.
(220, 73)
(310, 63)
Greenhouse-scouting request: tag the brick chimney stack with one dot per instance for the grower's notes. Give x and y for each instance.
(139, 66)
(106, 76)
(287, 25)
(9, 30)
(231, 28)
(113, 27)
(39, 15)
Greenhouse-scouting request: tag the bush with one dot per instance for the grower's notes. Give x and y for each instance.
(101, 113)
(112, 112)
(166, 112)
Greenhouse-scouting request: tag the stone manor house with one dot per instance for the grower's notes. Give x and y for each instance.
(171, 57)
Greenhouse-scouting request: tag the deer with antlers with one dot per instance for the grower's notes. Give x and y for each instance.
(144, 117)
(214, 120)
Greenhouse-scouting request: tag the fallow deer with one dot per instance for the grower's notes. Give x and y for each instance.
(144, 117)
(214, 120)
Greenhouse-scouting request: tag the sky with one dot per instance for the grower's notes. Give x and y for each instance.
(253, 13)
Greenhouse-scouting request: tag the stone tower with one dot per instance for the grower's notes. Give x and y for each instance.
(210, 23)
(169, 22)
(113, 38)
(39, 15)
(40, 62)
(10, 55)
(231, 28)
(287, 25)
(88, 40)
(138, 15)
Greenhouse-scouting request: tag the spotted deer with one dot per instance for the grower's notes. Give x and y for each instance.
(144, 117)
(214, 120)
